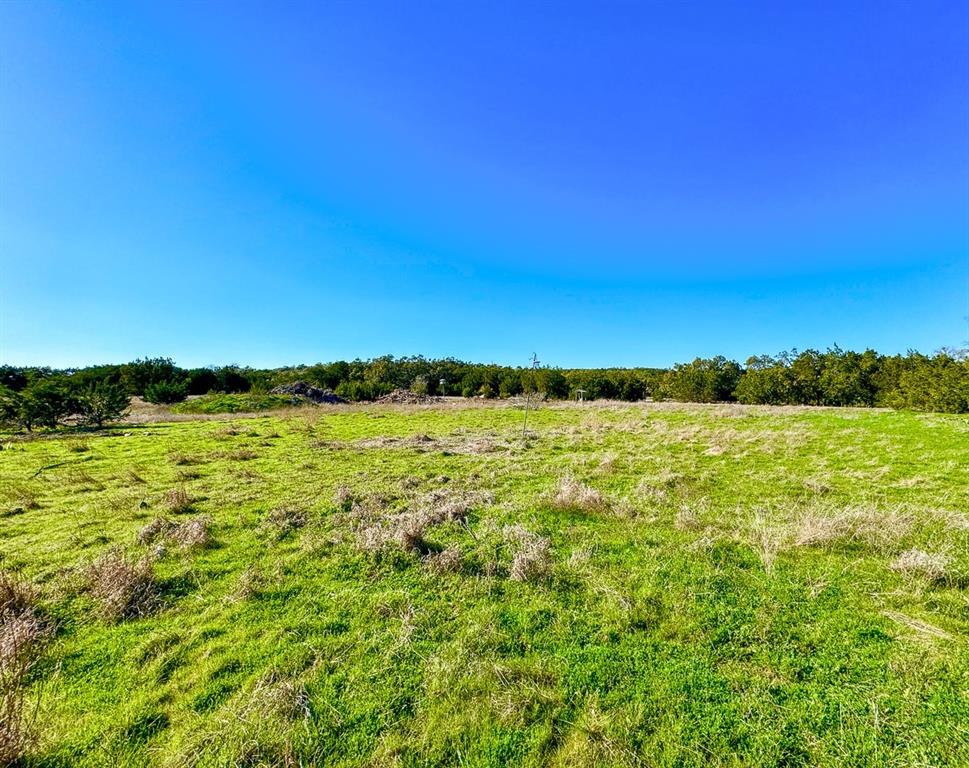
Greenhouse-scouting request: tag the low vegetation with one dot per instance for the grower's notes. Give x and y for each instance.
(627, 585)
(41, 397)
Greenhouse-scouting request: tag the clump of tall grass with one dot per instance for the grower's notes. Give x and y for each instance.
(284, 520)
(449, 560)
(122, 587)
(917, 562)
(194, 533)
(22, 636)
(178, 501)
(573, 494)
(531, 553)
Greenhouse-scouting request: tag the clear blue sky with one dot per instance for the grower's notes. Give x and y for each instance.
(601, 183)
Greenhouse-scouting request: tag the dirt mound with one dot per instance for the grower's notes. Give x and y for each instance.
(406, 397)
(302, 389)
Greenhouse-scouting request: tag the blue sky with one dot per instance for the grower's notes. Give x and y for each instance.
(601, 183)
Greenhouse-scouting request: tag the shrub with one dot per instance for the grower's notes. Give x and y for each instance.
(41, 404)
(166, 392)
(102, 402)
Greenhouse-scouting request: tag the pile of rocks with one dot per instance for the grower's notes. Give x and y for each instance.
(302, 389)
(406, 397)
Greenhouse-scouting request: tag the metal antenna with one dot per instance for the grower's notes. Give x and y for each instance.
(528, 396)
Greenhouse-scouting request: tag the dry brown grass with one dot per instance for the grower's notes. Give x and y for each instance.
(122, 587)
(572, 494)
(242, 454)
(768, 539)
(252, 582)
(22, 636)
(284, 520)
(374, 528)
(194, 533)
(159, 528)
(449, 560)
(918, 563)
(866, 526)
(531, 553)
(343, 497)
(180, 459)
(178, 501)
(686, 519)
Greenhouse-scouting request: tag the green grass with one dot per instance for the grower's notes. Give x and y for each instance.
(730, 601)
(244, 403)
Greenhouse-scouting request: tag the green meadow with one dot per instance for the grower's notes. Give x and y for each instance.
(628, 585)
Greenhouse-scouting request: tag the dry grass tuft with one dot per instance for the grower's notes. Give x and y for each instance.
(343, 497)
(159, 528)
(532, 554)
(194, 533)
(768, 541)
(916, 562)
(22, 636)
(861, 525)
(686, 519)
(17, 596)
(178, 501)
(449, 560)
(284, 520)
(572, 494)
(374, 529)
(251, 583)
(133, 478)
(817, 486)
(180, 459)
(123, 588)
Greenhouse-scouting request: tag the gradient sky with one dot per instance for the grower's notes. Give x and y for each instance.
(600, 183)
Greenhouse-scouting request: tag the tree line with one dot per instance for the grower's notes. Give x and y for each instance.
(44, 397)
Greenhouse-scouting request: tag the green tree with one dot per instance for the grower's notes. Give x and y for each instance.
(165, 392)
(102, 402)
(43, 403)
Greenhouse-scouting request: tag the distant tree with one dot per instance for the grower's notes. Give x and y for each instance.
(43, 403)
(138, 375)
(766, 381)
(102, 402)
(419, 385)
(165, 392)
(201, 381)
(703, 381)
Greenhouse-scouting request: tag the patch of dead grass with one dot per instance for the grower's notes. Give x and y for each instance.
(122, 587)
(573, 494)
(919, 563)
(23, 634)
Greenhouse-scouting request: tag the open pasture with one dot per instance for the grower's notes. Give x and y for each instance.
(632, 585)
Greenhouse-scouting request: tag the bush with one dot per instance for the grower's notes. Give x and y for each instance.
(43, 403)
(235, 404)
(102, 402)
(166, 392)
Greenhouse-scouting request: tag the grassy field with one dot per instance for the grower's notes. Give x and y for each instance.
(639, 585)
